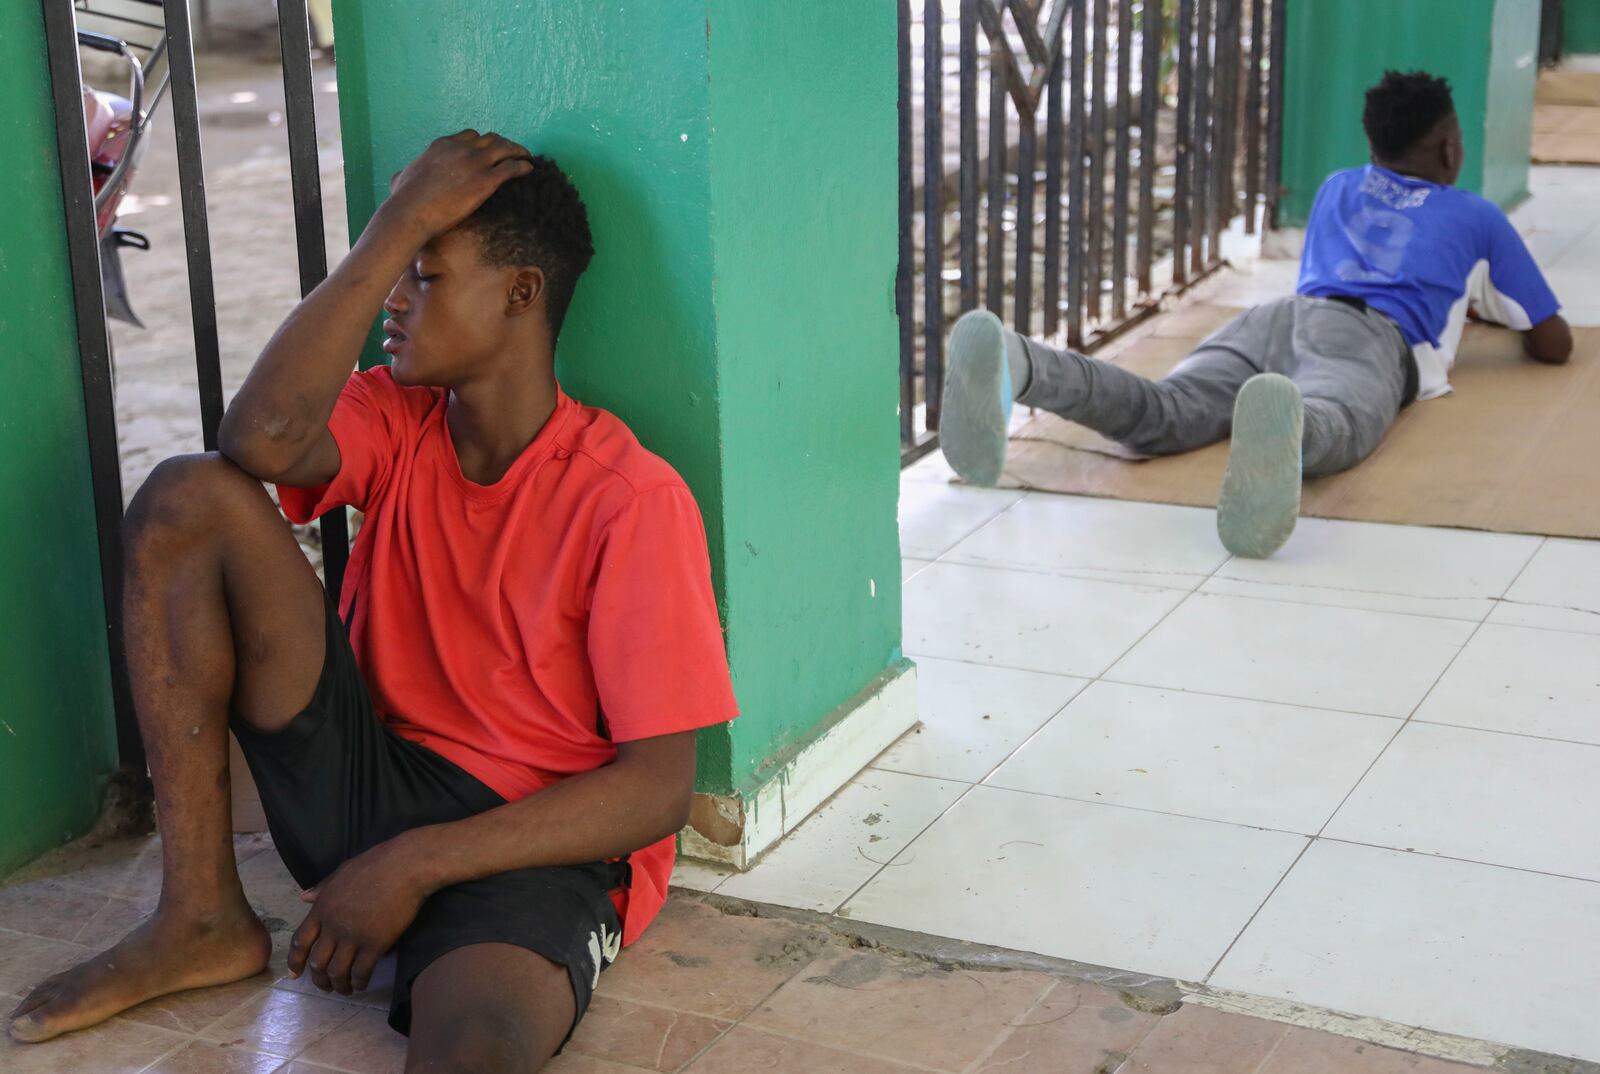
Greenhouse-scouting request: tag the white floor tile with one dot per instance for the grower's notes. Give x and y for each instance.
(1560, 589)
(934, 517)
(1424, 571)
(1116, 540)
(699, 875)
(1298, 654)
(1529, 682)
(1454, 946)
(1114, 887)
(931, 467)
(1245, 762)
(910, 566)
(1041, 622)
(839, 847)
(973, 717)
(1526, 803)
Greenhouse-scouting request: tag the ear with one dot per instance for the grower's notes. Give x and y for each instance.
(527, 288)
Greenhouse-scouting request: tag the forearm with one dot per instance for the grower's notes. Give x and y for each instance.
(287, 399)
(593, 816)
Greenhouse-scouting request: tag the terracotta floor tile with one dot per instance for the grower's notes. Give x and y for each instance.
(1078, 1029)
(127, 867)
(204, 1057)
(49, 909)
(113, 921)
(1306, 1051)
(282, 1023)
(696, 959)
(744, 1050)
(115, 1047)
(195, 1011)
(574, 1063)
(363, 1045)
(1199, 1040)
(650, 1037)
(900, 1009)
(27, 960)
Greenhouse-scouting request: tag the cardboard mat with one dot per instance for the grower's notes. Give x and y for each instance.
(1566, 118)
(1516, 449)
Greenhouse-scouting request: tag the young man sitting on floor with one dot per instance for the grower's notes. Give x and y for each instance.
(1395, 258)
(488, 770)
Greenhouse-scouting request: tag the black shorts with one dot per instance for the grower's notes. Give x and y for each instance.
(336, 782)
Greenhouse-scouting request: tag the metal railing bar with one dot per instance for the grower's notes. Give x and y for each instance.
(933, 205)
(1052, 193)
(1180, 193)
(1119, 206)
(995, 253)
(1252, 116)
(1094, 290)
(94, 357)
(1022, 303)
(1200, 214)
(1148, 140)
(1076, 136)
(969, 158)
(196, 230)
(904, 267)
(1274, 177)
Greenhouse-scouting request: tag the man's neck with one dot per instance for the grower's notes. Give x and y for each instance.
(493, 420)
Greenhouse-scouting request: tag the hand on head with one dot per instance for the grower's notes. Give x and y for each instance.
(454, 176)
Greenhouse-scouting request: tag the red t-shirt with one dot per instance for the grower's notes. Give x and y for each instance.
(495, 624)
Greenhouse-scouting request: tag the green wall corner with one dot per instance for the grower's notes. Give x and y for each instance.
(740, 172)
(1337, 48)
(57, 737)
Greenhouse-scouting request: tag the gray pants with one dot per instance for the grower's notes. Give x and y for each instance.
(1350, 365)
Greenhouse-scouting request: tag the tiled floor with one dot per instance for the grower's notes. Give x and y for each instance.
(1363, 775)
(704, 991)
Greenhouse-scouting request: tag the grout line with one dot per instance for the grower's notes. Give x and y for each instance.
(164, 1056)
(841, 904)
(1009, 1028)
(1256, 912)
(1509, 734)
(1465, 861)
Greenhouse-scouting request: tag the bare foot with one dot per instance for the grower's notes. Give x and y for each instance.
(163, 955)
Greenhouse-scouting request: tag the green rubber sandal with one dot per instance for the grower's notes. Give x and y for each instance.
(977, 399)
(1260, 500)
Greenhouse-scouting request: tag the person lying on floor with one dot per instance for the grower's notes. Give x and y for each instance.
(481, 757)
(1395, 257)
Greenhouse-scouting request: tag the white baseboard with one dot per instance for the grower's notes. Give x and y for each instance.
(748, 825)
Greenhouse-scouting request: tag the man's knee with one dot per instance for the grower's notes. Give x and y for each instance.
(487, 1042)
(187, 496)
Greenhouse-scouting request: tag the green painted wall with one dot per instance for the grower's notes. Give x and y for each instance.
(1338, 48)
(56, 733)
(1580, 26)
(740, 176)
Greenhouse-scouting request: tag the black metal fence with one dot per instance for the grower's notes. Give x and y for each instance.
(1160, 127)
(158, 32)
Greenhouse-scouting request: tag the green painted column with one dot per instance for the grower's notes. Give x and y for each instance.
(1488, 49)
(57, 740)
(739, 163)
(1580, 27)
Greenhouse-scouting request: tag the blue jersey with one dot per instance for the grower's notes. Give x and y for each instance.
(1421, 253)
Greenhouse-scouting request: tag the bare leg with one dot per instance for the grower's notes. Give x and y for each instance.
(488, 1008)
(221, 611)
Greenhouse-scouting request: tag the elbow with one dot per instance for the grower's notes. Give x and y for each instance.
(256, 452)
(675, 813)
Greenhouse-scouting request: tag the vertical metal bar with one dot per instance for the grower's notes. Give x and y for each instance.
(1149, 101)
(1075, 179)
(1119, 207)
(903, 269)
(995, 254)
(1252, 115)
(969, 155)
(1094, 290)
(1022, 300)
(1224, 115)
(196, 230)
(1180, 193)
(1200, 216)
(1275, 75)
(305, 179)
(94, 357)
(1229, 49)
(933, 206)
(1052, 193)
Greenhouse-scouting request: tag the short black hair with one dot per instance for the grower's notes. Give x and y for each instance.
(1401, 109)
(538, 219)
